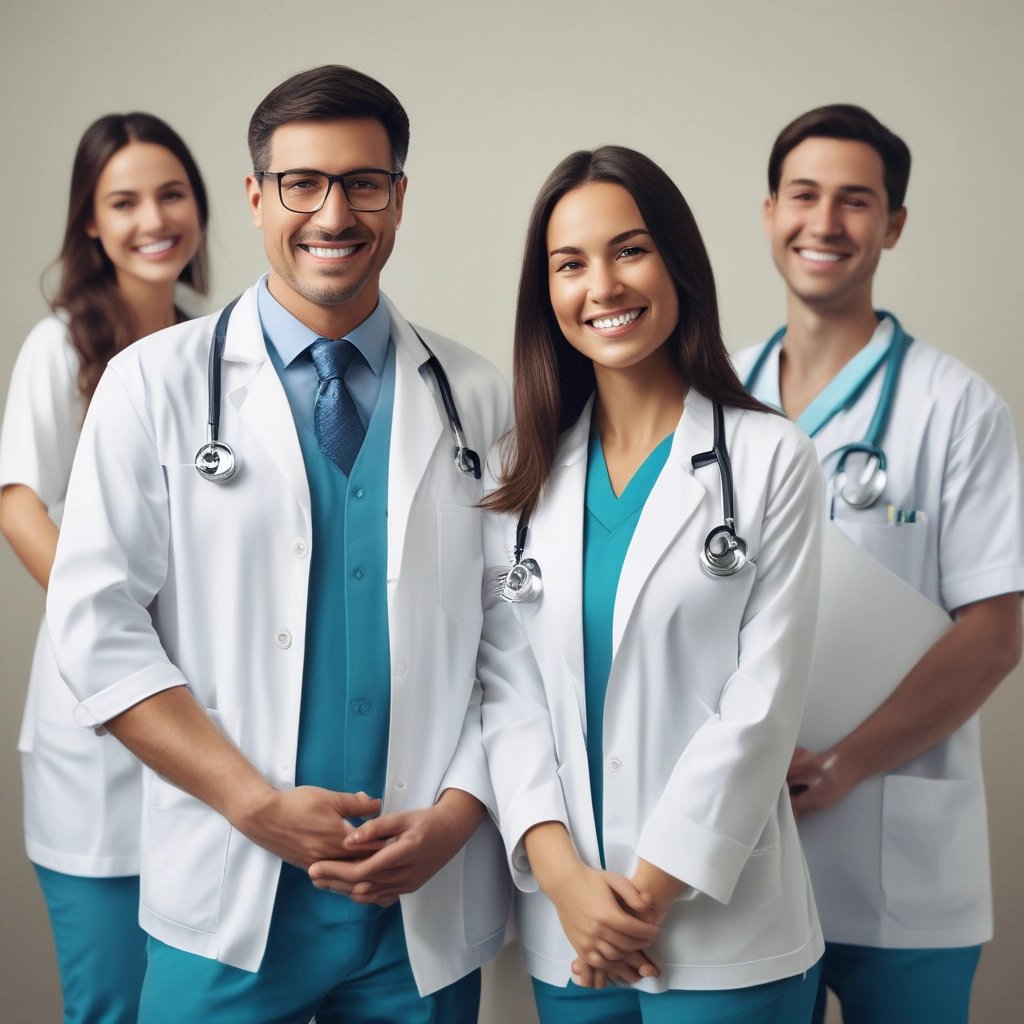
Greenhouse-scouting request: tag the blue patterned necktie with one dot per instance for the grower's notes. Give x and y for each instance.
(339, 431)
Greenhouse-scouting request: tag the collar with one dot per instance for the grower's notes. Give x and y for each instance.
(290, 338)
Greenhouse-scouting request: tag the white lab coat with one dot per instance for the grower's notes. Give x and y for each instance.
(163, 578)
(903, 861)
(703, 704)
(82, 797)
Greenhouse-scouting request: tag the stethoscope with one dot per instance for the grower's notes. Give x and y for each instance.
(217, 461)
(863, 489)
(724, 552)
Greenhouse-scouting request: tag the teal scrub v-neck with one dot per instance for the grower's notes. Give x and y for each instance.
(608, 527)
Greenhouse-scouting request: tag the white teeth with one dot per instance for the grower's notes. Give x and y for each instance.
(331, 253)
(820, 257)
(616, 321)
(155, 247)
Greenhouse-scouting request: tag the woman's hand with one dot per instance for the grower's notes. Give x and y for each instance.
(660, 888)
(600, 912)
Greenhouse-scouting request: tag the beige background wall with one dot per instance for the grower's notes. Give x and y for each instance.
(497, 94)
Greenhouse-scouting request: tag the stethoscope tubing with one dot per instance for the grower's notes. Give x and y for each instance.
(724, 552)
(216, 460)
(871, 444)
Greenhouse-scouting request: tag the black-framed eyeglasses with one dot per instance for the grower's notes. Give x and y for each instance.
(367, 189)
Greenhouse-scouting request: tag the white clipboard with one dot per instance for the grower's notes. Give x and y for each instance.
(872, 629)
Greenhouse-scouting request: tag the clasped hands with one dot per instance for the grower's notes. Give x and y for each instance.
(610, 920)
(373, 862)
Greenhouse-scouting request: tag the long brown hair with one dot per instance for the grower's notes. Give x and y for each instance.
(552, 380)
(101, 324)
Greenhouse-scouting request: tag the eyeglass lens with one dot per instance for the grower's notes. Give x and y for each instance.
(367, 191)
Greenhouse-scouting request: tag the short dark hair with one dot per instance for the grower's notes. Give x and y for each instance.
(552, 381)
(322, 94)
(846, 121)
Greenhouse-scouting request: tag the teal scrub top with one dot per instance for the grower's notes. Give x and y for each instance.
(608, 526)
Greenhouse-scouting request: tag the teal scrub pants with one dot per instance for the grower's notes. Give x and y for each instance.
(897, 986)
(101, 950)
(788, 1001)
(354, 971)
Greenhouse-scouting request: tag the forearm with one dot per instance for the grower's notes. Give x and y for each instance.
(29, 530)
(172, 734)
(659, 886)
(551, 852)
(946, 687)
(463, 810)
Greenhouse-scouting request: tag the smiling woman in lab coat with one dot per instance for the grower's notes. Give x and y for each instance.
(639, 712)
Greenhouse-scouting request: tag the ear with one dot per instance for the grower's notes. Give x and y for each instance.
(767, 213)
(895, 227)
(90, 228)
(400, 188)
(254, 194)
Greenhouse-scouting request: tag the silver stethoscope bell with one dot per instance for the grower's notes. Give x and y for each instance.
(724, 554)
(216, 461)
(522, 582)
(863, 490)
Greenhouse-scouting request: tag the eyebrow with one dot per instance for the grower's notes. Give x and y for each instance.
(327, 174)
(133, 192)
(571, 250)
(843, 189)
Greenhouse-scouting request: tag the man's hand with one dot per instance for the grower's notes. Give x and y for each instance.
(397, 853)
(817, 781)
(307, 824)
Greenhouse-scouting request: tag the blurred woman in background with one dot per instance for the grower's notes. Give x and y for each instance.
(135, 228)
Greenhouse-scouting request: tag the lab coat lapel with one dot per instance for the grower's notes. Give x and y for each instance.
(558, 528)
(673, 500)
(415, 431)
(252, 387)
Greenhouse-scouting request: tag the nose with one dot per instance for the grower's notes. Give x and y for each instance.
(605, 285)
(335, 215)
(826, 222)
(152, 216)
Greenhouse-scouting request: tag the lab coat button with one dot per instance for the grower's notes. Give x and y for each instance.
(401, 668)
(283, 639)
(358, 573)
(614, 764)
(360, 491)
(361, 707)
(399, 785)
(299, 548)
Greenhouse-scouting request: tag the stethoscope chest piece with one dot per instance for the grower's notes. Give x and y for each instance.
(522, 582)
(723, 554)
(861, 489)
(216, 461)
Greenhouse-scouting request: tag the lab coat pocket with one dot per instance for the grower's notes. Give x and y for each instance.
(185, 845)
(486, 885)
(899, 547)
(460, 561)
(933, 833)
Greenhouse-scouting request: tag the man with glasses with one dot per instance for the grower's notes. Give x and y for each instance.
(278, 645)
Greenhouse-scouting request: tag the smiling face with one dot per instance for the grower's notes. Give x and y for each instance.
(612, 295)
(145, 216)
(325, 266)
(829, 223)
